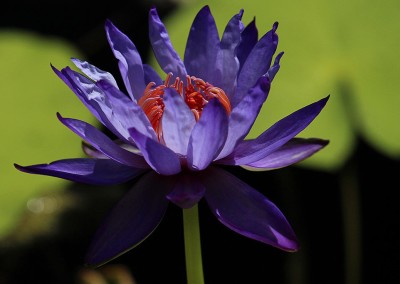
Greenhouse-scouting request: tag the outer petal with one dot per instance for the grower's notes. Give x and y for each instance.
(256, 64)
(77, 83)
(246, 211)
(208, 136)
(101, 142)
(92, 152)
(127, 112)
(296, 150)
(131, 221)
(244, 114)
(167, 57)
(130, 63)
(93, 72)
(162, 159)
(177, 122)
(250, 151)
(202, 46)
(249, 39)
(188, 190)
(94, 99)
(91, 171)
(275, 68)
(227, 64)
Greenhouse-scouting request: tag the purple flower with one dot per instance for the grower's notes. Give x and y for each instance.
(177, 132)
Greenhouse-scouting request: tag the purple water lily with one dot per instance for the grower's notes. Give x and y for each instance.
(177, 132)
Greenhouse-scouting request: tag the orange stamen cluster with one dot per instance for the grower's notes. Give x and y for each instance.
(196, 94)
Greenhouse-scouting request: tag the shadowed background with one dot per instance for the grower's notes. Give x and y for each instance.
(341, 203)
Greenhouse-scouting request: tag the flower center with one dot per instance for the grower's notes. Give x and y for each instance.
(196, 94)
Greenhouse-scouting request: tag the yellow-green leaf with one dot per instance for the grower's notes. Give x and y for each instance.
(31, 94)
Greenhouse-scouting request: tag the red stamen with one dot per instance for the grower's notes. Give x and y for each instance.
(196, 94)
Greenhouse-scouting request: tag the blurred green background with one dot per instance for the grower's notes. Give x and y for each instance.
(32, 94)
(341, 202)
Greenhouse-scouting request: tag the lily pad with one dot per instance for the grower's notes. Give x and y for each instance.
(32, 94)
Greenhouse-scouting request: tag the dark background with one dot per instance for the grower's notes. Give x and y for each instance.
(316, 203)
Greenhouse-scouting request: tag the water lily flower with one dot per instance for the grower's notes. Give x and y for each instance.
(179, 133)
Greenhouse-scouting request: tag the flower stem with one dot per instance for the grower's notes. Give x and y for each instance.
(351, 212)
(194, 265)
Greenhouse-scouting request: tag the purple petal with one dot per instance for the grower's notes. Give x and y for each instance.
(94, 99)
(127, 112)
(249, 151)
(249, 39)
(256, 64)
(166, 56)
(93, 72)
(208, 136)
(246, 211)
(294, 151)
(162, 159)
(202, 46)
(150, 75)
(177, 122)
(101, 142)
(129, 61)
(187, 191)
(91, 171)
(244, 114)
(275, 68)
(131, 221)
(227, 64)
(76, 82)
(92, 152)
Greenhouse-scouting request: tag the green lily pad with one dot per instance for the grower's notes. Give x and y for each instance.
(349, 54)
(31, 95)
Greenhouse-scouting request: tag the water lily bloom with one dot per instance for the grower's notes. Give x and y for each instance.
(178, 132)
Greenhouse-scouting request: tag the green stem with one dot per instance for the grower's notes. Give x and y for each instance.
(194, 265)
(351, 210)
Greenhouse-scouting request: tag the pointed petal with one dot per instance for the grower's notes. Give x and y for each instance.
(256, 64)
(296, 150)
(227, 64)
(249, 39)
(129, 61)
(187, 191)
(177, 122)
(101, 142)
(208, 136)
(76, 83)
(162, 159)
(131, 221)
(275, 68)
(91, 171)
(202, 46)
(166, 56)
(94, 99)
(249, 151)
(127, 112)
(93, 72)
(246, 211)
(244, 114)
